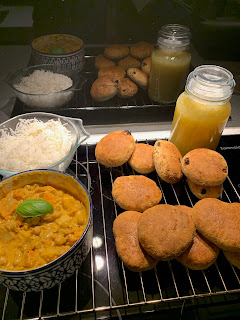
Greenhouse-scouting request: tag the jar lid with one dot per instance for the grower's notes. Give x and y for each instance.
(174, 36)
(210, 82)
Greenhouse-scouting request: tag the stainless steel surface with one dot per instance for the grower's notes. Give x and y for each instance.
(103, 287)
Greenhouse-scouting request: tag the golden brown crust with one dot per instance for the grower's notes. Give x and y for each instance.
(138, 76)
(200, 255)
(141, 50)
(142, 158)
(205, 167)
(104, 88)
(127, 88)
(115, 71)
(146, 66)
(129, 62)
(202, 192)
(167, 161)
(128, 247)
(102, 62)
(116, 51)
(115, 148)
(219, 222)
(165, 231)
(233, 258)
(136, 192)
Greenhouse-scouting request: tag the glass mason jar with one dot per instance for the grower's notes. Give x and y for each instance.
(202, 111)
(170, 63)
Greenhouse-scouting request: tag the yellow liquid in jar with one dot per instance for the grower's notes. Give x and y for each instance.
(198, 125)
(168, 75)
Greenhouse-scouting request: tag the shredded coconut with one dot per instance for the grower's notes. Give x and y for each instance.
(44, 82)
(34, 144)
(43, 89)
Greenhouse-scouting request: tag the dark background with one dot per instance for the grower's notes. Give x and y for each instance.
(215, 24)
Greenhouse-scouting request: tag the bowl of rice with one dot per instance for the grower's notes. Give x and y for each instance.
(39, 140)
(45, 86)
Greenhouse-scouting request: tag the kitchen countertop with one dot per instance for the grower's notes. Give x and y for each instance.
(14, 57)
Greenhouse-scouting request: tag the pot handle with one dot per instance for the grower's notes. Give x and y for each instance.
(83, 133)
(82, 81)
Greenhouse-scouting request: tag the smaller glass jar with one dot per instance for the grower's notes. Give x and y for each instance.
(202, 111)
(170, 63)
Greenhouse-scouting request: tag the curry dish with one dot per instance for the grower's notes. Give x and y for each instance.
(67, 42)
(29, 243)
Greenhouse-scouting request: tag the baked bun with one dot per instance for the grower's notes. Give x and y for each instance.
(136, 192)
(202, 253)
(127, 88)
(233, 258)
(138, 76)
(142, 158)
(141, 50)
(102, 62)
(167, 161)
(146, 66)
(116, 51)
(115, 71)
(205, 167)
(115, 148)
(104, 88)
(129, 62)
(165, 231)
(134, 257)
(219, 222)
(202, 192)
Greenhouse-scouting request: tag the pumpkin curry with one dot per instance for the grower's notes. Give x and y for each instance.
(29, 243)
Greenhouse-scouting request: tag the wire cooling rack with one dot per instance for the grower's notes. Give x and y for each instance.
(103, 288)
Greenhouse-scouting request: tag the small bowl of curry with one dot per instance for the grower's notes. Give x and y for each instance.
(59, 49)
(46, 229)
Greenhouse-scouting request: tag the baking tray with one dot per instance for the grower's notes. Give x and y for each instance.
(138, 109)
(103, 288)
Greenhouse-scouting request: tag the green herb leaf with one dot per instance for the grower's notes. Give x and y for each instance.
(34, 208)
(57, 50)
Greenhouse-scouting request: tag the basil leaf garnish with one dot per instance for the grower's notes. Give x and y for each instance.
(34, 208)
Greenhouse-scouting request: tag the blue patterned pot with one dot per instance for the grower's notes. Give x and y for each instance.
(74, 60)
(60, 269)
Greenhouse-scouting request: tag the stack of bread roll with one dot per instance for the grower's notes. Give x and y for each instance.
(148, 232)
(122, 70)
(192, 236)
(205, 172)
(162, 233)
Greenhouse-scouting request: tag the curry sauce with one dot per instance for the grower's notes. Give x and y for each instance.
(29, 243)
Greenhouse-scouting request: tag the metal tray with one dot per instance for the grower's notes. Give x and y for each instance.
(104, 288)
(138, 109)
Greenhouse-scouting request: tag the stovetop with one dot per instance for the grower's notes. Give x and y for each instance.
(103, 288)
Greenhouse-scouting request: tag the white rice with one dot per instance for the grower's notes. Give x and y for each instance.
(34, 144)
(44, 82)
(42, 89)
